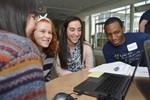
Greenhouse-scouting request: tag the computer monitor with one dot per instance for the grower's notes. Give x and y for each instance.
(147, 53)
(143, 83)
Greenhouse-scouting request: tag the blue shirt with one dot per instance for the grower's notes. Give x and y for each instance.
(121, 53)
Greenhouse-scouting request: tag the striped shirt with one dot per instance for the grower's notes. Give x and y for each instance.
(21, 75)
(48, 63)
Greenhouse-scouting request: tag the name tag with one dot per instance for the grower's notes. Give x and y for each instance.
(132, 46)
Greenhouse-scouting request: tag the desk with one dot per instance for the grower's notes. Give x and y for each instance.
(143, 84)
(68, 82)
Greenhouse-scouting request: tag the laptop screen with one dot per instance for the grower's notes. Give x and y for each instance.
(138, 63)
(147, 53)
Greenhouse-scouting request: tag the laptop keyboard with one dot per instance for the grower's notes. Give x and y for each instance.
(111, 84)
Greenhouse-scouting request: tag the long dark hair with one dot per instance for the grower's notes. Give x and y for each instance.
(62, 51)
(14, 15)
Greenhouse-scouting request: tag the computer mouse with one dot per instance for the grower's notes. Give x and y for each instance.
(63, 96)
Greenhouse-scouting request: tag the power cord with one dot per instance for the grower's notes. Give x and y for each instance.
(76, 93)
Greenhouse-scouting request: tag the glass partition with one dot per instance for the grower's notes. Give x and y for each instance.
(98, 33)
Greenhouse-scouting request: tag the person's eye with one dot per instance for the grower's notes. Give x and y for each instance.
(117, 32)
(49, 32)
(79, 30)
(42, 31)
(72, 30)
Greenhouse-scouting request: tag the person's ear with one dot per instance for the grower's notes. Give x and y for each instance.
(123, 28)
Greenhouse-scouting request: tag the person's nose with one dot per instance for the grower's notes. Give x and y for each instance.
(113, 36)
(47, 35)
(76, 33)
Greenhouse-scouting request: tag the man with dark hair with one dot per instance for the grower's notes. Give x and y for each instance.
(125, 47)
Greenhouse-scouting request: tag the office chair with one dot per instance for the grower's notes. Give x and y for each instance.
(147, 53)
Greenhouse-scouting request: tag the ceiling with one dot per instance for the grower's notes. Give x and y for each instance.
(60, 9)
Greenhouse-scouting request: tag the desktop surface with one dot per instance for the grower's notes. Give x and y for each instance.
(143, 84)
(68, 82)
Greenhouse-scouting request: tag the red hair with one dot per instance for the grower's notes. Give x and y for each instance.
(53, 46)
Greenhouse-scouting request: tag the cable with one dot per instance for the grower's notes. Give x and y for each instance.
(79, 93)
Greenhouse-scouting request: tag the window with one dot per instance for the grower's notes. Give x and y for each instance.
(98, 34)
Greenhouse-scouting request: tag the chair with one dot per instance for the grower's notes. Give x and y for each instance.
(98, 56)
(53, 73)
(147, 52)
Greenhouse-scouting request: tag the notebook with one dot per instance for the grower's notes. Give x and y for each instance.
(109, 86)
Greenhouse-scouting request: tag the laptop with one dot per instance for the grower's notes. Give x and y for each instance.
(147, 53)
(143, 84)
(108, 86)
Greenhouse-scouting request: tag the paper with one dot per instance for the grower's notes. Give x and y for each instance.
(96, 74)
(142, 72)
(122, 68)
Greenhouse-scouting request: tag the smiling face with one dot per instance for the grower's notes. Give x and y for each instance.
(43, 34)
(73, 32)
(115, 33)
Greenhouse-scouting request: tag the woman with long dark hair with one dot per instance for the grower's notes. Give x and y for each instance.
(74, 52)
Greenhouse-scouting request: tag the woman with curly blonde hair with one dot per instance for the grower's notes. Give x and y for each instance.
(45, 37)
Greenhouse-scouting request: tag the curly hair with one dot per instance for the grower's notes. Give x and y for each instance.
(52, 48)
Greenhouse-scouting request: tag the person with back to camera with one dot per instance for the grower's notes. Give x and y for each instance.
(21, 75)
(144, 23)
(74, 53)
(125, 47)
(44, 36)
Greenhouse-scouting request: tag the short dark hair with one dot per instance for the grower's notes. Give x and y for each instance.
(14, 15)
(112, 20)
